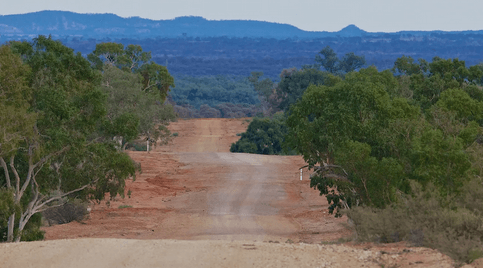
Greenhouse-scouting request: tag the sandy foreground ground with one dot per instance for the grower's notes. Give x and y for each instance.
(198, 205)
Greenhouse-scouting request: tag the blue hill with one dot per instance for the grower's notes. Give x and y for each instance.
(63, 23)
(99, 26)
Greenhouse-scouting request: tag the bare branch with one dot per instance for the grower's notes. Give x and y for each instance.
(305, 166)
(17, 179)
(38, 170)
(335, 176)
(5, 169)
(327, 171)
(155, 84)
(47, 157)
(29, 173)
(65, 194)
(49, 207)
(31, 205)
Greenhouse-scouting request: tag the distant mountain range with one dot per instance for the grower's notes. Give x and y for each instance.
(195, 46)
(63, 23)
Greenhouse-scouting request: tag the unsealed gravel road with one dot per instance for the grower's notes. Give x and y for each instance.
(211, 208)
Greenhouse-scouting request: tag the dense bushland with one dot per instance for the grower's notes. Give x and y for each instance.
(425, 218)
(215, 97)
(378, 141)
(211, 56)
(65, 121)
(213, 90)
(263, 136)
(398, 151)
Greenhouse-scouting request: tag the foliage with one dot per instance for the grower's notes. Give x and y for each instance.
(132, 59)
(426, 219)
(31, 231)
(131, 111)
(406, 66)
(332, 64)
(429, 80)
(61, 151)
(7, 208)
(370, 143)
(263, 136)
(400, 153)
(211, 56)
(214, 97)
(294, 83)
(213, 91)
(263, 87)
(15, 95)
(266, 92)
(222, 110)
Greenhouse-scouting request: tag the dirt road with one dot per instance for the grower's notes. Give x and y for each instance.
(194, 189)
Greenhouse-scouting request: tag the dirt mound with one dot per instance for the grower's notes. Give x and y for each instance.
(172, 253)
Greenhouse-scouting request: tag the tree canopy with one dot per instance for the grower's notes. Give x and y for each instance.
(328, 59)
(133, 59)
(53, 144)
(132, 112)
(293, 85)
(263, 136)
(367, 141)
(213, 90)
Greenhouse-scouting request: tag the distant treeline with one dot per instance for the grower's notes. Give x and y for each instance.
(214, 97)
(241, 56)
(213, 90)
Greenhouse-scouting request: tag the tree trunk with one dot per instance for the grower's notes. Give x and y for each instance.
(24, 219)
(21, 226)
(11, 224)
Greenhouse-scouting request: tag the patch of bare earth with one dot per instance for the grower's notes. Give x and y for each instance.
(242, 210)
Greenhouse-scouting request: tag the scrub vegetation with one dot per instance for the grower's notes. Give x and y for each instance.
(398, 151)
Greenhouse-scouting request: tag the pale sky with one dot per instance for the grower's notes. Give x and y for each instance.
(309, 15)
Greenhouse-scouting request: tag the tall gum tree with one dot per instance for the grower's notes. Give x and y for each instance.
(58, 152)
(367, 144)
(16, 122)
(133, 59)
(130, 69)
(131, 111)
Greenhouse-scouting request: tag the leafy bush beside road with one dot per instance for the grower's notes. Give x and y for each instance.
(263, 136)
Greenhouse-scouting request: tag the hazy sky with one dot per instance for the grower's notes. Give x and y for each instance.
(311, 15)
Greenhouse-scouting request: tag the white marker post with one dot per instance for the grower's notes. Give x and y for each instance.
(300, 174)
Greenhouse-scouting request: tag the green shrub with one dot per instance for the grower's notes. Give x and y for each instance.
(424, 219)
(124, 206)
(175, 134)
(32, 230)
(263, 136)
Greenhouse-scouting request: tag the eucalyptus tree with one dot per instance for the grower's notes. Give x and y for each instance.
(366, 144)
(327, 58)
(133, 59)
(132, 111)
(51, 138)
